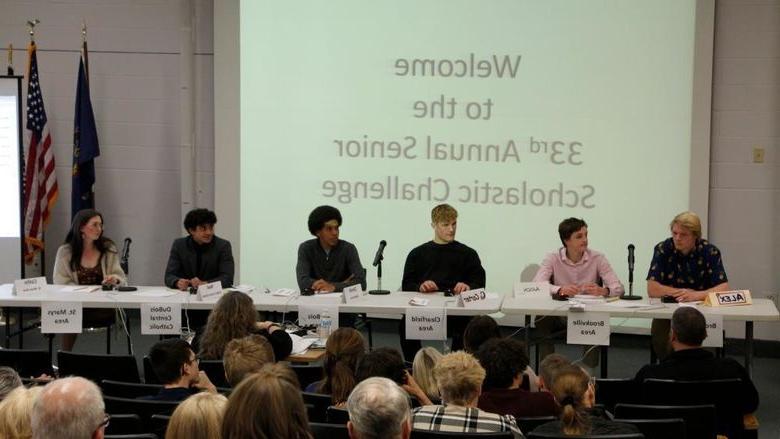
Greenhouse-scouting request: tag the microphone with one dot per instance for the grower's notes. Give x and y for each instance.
(630, 295)
(378, 258)
(126, 249)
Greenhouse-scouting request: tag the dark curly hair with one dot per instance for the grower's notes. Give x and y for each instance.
(503, 359)
(199, 217)
(320, 215)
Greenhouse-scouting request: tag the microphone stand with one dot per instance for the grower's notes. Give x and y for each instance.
(630, 295)
(379, 289)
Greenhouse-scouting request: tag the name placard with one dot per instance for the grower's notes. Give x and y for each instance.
(309, 314)
(352, 293)
(209, 290)
(714, 331)
(27, 286)
(61, 317)
(589, 328)
(426, 323)
(729, 298)
(160, 318)
(472, 298)
(531, 288)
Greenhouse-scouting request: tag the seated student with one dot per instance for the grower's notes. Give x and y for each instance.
(246, 355)
(387, 363)
(267, 404)
(504, 360)
(483, 328)
(548, 369)
(197, 417)
(343, 350)
(689, 362)
(460, 376)
(176, 366)
(88, 258)
(9, 380)
(576, 396)
(422, 371)
(15, 422)
(442, 264)
(574, 269)
(234, 316)
(378, 408)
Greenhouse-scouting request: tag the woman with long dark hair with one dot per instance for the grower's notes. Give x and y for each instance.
(88, 258)
(343, 350)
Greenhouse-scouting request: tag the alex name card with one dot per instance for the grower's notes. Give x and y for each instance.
(531, 288)
(61, 317)
(426, 323)
(160, 318)
(729, 298)
(588, 328)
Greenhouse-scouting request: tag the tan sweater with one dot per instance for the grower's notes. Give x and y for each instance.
(109, 263)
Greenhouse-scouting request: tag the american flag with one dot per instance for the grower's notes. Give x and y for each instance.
(40, 180)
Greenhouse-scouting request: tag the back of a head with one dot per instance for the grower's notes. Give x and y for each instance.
(459, 377)
(345, 346)
(422, 369)
(167, 358)
(197, 417)
(378, 409)
(503, 360)
(67, 408)
(233, 316)
(9, 380)
(479, 330)
(569, 388)
(689, 326)
(15, 422)
(382, 362)
(265, 405)
(246, 355)
(549, 368)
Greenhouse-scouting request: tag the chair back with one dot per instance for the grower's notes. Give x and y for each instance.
(129, 390)
(307, 374)
(159, 423)
(428, 434)
(533, 435)
(320, 404)
(328, 431)
(141, 407)
(699, 419)
(658, 428)
(336, 415)
(27, 362)
(98, 367)
(125, 424)
(610, 391)
(131, 436)
(724, 394)
(215, 370)
(529, 423)
(150, 377)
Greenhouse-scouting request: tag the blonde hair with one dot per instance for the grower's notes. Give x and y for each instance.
(422, 370)
(459, 377)
(569, 388)
(15, 412)
(245, 355)
(689, 221)
(199, 416)
(443, 213)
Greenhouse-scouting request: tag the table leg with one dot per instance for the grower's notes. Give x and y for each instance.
(7, 320)
(749, 348)
(604, 354)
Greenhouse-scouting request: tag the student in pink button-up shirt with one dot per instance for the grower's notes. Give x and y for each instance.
(574, 269)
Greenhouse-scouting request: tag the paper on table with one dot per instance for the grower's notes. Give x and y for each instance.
(300, 344)
(78, 288)
(155, 293)
(633, 305)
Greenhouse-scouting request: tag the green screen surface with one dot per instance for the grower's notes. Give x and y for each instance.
(517, 113)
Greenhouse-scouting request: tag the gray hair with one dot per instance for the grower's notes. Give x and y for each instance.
(68, 408)
(378, 408)
(9, 380)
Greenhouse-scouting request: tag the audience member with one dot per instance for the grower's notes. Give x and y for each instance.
(343, 350)
(197, 417)
(244, 356)
(266, 404)
(9, 380)
(387, 363)
(504, 360)
(69, 408)
(15, 413)
(422, 371)
(459, 377)
(549, 368)
(576, 396)
(234, 316)
(176, 366)
(378, 408)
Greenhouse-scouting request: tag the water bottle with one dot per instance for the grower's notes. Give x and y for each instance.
(325, 325)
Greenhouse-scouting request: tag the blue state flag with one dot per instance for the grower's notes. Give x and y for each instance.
(85, 144)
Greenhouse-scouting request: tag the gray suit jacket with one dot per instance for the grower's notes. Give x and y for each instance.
(216, 262)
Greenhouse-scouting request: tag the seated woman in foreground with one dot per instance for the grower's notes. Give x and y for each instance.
(234, 316)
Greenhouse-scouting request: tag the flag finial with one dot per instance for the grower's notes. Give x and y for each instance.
(32, 23)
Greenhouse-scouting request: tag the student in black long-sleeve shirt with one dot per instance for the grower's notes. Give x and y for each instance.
(442, 264)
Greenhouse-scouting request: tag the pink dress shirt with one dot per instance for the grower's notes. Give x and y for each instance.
(559, 270)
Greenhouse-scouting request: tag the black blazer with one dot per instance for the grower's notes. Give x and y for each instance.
(216, 262)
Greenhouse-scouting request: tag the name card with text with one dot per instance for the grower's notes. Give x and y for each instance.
(28, 286)
(729, 298)
(714, 331)
(589, 328)
(532, 289)
(160, 318)
(472, 298)
(309, 314)
(352, 293)
(426, 323)
(61, 317)
(209, 290)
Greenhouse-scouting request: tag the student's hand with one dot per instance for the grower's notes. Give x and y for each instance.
(183, 284)
(687, 295)
(111, 279)
(594, 290)
(323, 285)
(195, 282)
(569, 290)
(204, 383)
(460, 287)
(428, 286)
(414, 389)
(267, 326)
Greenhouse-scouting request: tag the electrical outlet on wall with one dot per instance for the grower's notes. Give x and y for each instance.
(758, 154)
